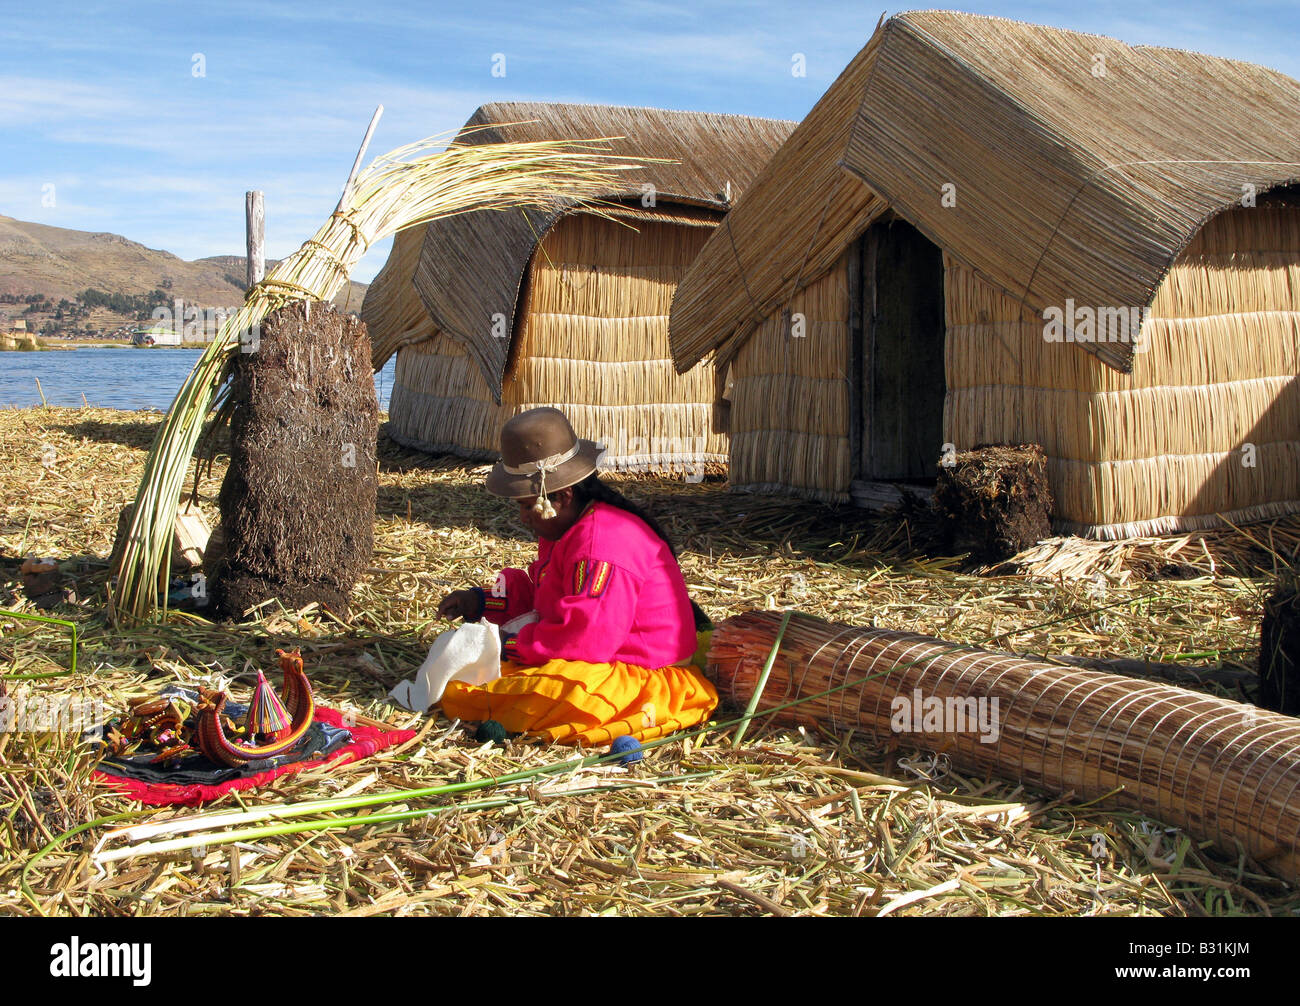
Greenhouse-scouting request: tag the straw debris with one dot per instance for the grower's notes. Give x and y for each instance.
(803, 822)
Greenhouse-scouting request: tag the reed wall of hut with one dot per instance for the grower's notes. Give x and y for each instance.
(1204, 427)
(790, 396)
(591, 338)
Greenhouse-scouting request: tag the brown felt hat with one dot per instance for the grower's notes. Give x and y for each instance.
(540, 453)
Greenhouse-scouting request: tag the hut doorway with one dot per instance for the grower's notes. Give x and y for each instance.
(898, 332)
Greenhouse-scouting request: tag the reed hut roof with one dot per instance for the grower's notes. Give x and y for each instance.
(471, 268)
(1080, 167)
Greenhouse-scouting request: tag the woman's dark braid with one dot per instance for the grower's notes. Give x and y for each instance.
(593, 490)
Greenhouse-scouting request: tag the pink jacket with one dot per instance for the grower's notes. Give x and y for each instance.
(608, 590)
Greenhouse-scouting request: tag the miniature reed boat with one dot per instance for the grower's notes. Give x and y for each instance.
(282, 724)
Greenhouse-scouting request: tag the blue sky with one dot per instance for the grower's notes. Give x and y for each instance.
(102, 100)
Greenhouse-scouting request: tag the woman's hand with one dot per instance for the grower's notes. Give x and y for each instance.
(461, 604)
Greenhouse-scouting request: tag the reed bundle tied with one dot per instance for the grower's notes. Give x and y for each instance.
(409, 186)
(1224, 771)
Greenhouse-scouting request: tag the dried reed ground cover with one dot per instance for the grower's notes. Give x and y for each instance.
(792, 823)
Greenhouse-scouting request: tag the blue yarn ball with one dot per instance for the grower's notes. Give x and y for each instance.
(629, 747)
(490, 730)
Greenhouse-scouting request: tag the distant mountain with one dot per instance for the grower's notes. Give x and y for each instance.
(59, 263)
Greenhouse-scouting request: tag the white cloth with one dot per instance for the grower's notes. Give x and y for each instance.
(470, 653)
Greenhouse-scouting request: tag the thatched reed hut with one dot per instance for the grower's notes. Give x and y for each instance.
(995, 232)
(493, 313)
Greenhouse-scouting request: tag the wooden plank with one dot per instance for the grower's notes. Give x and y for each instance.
(356, 164)
(872, 495)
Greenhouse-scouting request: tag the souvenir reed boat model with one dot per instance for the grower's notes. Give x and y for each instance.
(271, 727)
(170, 728)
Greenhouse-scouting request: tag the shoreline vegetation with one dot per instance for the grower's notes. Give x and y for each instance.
(29, 343)
(797, 821)
(22, 342)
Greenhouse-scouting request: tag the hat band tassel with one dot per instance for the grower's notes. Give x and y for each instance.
(543, 505)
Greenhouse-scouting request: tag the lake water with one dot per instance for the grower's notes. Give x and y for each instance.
(113, 377)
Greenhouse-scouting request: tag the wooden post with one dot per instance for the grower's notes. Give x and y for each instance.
(255, 220)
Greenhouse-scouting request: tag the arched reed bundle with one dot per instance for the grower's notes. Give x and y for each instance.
(1226, 772)
(411, 185)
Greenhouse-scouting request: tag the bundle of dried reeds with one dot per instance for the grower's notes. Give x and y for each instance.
(403, 188)
(1226, 772)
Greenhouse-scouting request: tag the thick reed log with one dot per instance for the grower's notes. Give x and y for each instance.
(1226, 772)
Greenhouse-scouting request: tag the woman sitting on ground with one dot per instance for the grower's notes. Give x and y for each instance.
(609, 653)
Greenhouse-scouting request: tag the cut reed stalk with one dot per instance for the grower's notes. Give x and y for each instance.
(207, 838)
(762, 681)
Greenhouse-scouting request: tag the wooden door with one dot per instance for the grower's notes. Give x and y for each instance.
(902, 332)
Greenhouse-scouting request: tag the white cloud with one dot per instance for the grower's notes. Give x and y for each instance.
(28, 100)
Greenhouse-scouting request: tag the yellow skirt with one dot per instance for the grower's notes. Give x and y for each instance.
(574, 702)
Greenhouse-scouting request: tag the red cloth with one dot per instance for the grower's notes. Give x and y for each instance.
(365, 742)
